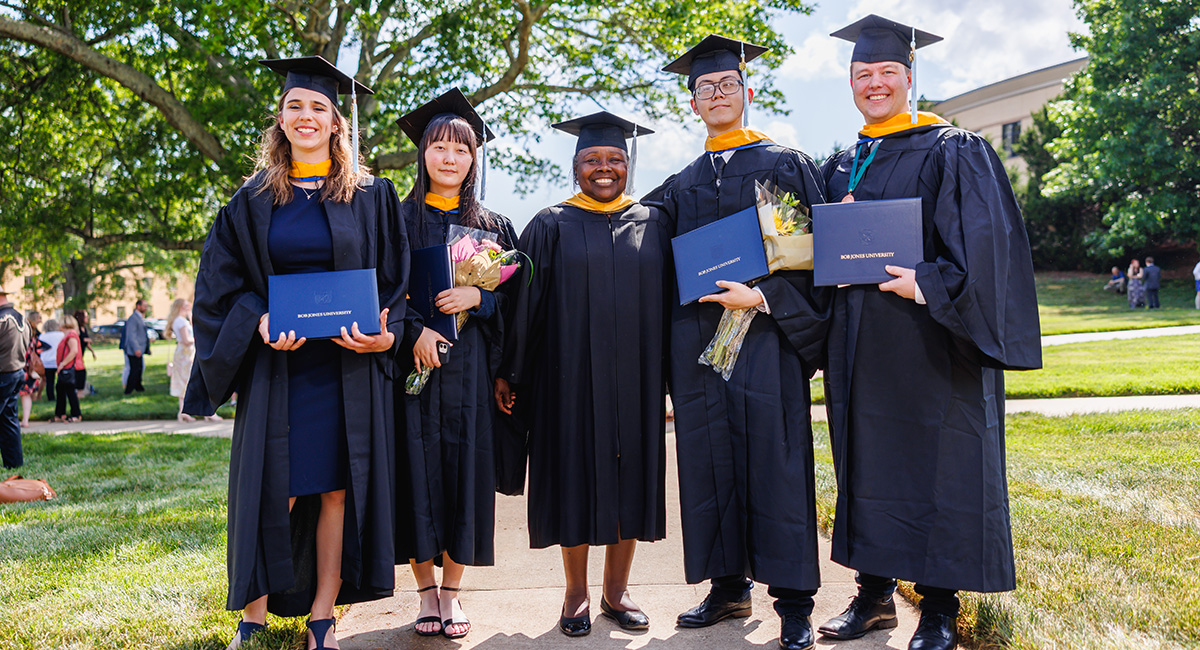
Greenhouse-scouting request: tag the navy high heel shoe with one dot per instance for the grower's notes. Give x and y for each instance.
(319, 629)
(244, 632)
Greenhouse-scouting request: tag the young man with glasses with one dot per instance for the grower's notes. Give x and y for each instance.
(744, 445)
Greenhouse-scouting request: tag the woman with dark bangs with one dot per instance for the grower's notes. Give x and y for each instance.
(310, 517)
(448, 427)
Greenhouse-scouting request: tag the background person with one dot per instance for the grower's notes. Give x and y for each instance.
(584, 357)
(50, 340)
(1137, 287)
(310, 516)
(1153, 279)
(35, 372)
(1117, 282)
(85, 340)
(1196, 277)
(180, 327)
(135, 341)
(14, 343)
(70, 361)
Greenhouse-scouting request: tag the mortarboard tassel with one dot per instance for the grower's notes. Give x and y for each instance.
(745, 88)
(632, 162)
(912, 62)
(483, 167)
(354, 128)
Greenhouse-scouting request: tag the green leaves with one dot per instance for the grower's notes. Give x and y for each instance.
(133, 121)
(1131, 131)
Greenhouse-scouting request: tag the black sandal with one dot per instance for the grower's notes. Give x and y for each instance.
(428, 619)
(455, 620)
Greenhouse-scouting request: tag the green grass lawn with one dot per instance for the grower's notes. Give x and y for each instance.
(109, 402)
(1106, 530)
(1076, 302)
(130, 555)
(1165, 365)
(1105, 511)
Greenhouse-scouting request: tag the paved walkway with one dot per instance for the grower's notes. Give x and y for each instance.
(1082, 337)
(516, 603)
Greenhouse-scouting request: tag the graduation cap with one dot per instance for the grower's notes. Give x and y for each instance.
(879, 39)
(718, 54)
(317, 74)
(452, 102)
(604, 129)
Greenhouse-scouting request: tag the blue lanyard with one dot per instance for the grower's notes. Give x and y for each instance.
(856, 174)
(760, 143)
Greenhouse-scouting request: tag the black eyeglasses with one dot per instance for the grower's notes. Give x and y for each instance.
(726, 86)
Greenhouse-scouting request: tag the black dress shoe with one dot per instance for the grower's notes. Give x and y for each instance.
(630, 619)
(714, 609)
(577, 626)
(796, 633)
(935, 632)
(863, 615)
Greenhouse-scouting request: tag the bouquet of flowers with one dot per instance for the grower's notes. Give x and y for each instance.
(787, 241)
(479, 261)
(786, 227)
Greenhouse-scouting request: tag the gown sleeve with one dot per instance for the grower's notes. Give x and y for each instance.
(800, 309)
(528, 313)
(225, 313)
(980, 287)
(392, 268)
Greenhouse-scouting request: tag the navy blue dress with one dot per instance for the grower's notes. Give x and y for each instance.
(299, 241)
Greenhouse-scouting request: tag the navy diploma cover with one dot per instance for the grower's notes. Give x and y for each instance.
(853, 241)
(730, 248)
(319, 305)
(431, 273)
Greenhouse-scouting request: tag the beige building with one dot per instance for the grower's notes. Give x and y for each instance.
(1001, 111)
(159, 291)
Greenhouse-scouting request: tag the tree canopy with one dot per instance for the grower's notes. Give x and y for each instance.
(131, 121)
(1130, 139)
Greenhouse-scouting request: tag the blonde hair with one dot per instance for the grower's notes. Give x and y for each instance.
(275, 161)
(68, 323)
(176, 308)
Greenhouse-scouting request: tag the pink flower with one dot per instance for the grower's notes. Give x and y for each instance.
(462, 250)
(507, 271)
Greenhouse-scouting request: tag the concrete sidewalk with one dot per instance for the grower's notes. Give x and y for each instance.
(1083, 337)
(516, 603)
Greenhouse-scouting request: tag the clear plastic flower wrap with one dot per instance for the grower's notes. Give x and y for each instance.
(722, 351)
(415, 382)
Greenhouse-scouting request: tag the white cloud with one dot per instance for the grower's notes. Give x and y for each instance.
(985, 41)
(818, 57)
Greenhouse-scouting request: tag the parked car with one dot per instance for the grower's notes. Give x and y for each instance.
(112, 332)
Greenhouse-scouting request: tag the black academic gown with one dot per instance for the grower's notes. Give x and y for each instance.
(268, 551)
(744, 446)
(585, 354)
(447, 483)
(916, 392)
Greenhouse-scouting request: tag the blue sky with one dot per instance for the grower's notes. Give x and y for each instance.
(985, 41)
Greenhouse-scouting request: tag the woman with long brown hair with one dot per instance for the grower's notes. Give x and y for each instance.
(447, 431)
(310, 486)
